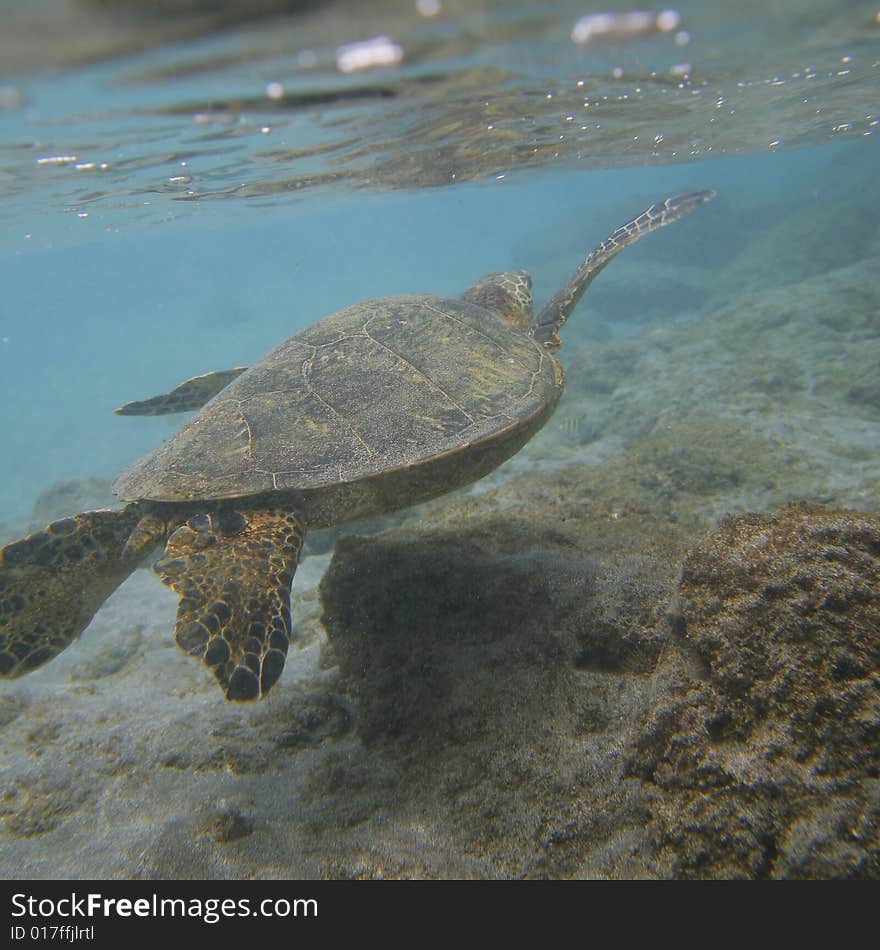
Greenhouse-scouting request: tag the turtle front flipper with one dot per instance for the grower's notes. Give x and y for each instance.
(233, 571)
(53, 581)
(189, 395)
(559, 308)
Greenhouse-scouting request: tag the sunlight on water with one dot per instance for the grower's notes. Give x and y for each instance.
(271, 111)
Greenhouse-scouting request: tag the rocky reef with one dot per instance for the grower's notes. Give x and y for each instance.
(767, 762)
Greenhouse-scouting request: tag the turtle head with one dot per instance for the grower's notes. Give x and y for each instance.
(508, 293)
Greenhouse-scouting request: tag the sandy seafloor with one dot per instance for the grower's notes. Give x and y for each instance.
(521, 679)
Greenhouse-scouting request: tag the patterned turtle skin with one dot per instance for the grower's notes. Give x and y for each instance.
(381, 406)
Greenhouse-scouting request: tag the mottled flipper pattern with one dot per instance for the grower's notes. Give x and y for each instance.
(233, 572)
(53, 581)
(559, 308)
(189, 395)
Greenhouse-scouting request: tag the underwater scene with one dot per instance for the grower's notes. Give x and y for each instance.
(571, 572)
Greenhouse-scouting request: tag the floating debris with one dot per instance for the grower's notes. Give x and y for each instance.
(378, 51)
(624, 26)
(58, 160)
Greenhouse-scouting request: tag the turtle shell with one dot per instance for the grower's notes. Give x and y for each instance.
(386, 385)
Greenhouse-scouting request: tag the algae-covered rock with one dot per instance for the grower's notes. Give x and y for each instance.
(769, 764)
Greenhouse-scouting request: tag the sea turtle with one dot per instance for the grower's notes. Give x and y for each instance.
(382, 405)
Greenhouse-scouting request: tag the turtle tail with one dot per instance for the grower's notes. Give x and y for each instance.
(233, 571)
(53, 581)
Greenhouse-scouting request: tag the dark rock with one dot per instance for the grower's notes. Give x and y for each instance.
(229, 824)
(769, 764)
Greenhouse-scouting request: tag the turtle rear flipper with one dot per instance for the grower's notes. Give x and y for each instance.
(53, 581)
(189, 395)
(233, 572)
